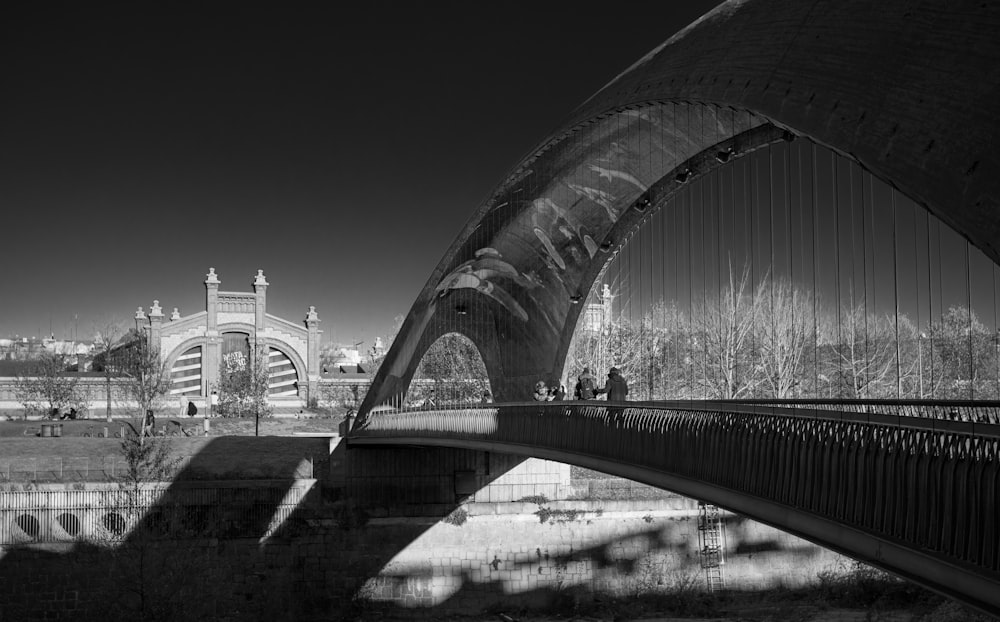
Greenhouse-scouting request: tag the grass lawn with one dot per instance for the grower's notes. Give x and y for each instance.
(230, 451)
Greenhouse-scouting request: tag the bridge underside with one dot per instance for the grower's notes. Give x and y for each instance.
(913, 496)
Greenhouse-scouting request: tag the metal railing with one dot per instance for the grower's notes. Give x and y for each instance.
(63, 469)
(67, 469)
(980, 411)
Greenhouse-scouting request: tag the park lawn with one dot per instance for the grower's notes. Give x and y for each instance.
(229, 452)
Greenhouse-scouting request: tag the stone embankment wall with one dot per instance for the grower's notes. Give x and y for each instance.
(330, 560)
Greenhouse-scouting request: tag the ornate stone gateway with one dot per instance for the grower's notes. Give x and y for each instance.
(194, 346)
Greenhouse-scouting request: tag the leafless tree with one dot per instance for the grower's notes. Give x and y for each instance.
(46, 381)
(243, 384)
(456, 371)
(964, 355)
(865, 356)
(145, 380)
(786, 335)
(723, 333)
(107, 340)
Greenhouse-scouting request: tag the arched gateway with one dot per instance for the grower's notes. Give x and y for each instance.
(193, 346)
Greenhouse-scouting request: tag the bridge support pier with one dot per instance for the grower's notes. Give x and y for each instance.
(429, 481)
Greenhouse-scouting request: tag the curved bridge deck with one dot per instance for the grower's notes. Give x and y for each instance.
(913, 495)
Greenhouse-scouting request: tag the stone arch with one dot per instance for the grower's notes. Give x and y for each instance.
(237, 327)
(920, 117)
(183, 347)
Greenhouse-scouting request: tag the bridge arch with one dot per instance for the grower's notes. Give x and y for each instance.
(918, 116)
(451, 369)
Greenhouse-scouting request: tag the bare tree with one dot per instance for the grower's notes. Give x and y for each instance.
(146, 380)
(786, 334)
(46, 381)
(108, 339)
(965, 354)
(456, 369)
(243, 384)
(869, 357)
(723, 334)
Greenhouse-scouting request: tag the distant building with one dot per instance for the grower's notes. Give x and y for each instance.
(597, 315)
(193, 346)
(25, 348)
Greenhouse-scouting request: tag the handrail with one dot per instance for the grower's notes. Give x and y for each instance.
(985, 421)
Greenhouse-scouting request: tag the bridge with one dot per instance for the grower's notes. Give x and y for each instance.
(786, 218)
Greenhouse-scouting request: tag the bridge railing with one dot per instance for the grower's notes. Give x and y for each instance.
(976, 411)
(980, 411)
(930, 484)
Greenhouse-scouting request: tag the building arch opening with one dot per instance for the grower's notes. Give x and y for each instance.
(236, 344)
(186, 372)
(282, 379)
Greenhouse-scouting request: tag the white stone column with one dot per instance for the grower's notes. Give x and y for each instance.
(211, 357)
(312, 354)
(155, 326)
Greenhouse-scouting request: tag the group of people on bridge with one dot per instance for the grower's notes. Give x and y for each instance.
(615, 387)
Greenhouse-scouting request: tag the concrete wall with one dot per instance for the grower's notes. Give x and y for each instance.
(420, 481)
(336, 563)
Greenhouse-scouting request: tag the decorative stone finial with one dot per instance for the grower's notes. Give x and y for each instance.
(212, 277)
(176, 315)
(312, 316)
(606, 292)
(140, 314)
(156, 310)
(259, 279)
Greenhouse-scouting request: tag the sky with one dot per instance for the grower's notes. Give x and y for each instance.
(339, 148)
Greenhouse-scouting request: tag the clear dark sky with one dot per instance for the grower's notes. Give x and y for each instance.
(339, 149)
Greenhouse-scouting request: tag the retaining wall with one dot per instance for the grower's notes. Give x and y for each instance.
(336, 562)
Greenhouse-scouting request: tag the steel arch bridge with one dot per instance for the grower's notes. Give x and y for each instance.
(905, 91)
(909, 92)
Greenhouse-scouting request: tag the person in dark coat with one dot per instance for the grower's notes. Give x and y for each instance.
(616, 387)
(557, 392)
(585, 386)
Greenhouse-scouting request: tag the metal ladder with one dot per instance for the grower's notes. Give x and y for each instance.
(710, 541)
